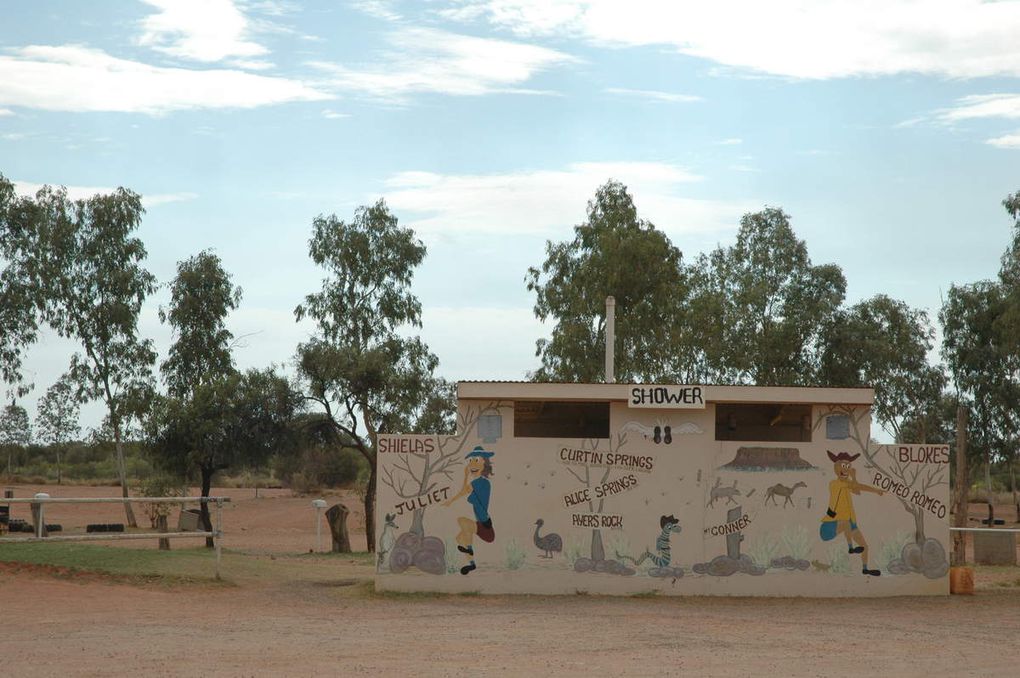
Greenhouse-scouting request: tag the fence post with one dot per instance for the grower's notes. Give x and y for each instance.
(218, 535)
(38, 515)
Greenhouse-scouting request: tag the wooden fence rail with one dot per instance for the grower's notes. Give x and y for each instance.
(40, 502)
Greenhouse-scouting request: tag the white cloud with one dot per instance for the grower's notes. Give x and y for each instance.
(732, 141)
(380, 9)
(426, 60)
(201, 30)
(330, 114)
(28, 188)
(983, 106)
(551, 201)
(795, 38)
(1006, 141)
(5, 111)
(654, 95)
(76, 78)
(502, 344)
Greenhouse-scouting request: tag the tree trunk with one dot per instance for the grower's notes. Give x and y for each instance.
(962, 484)
(918, 514)
(207, 474)
(164, 544)
(337, 517)
(122, 472)
(988, 489)
(370, 507)
(1012, 485)
(598, 551)
(418, 522)
(58, 466)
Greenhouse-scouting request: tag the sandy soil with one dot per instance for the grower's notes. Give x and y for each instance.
(329, 622)
(57, 628)
(277, 521)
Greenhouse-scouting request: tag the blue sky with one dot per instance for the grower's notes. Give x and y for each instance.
(890, 131)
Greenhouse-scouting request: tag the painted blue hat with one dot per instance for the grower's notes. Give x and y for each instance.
(479, 451)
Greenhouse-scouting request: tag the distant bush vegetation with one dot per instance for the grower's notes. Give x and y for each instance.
(310, 468)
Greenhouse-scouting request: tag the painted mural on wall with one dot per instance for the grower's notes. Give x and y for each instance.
(662, 506)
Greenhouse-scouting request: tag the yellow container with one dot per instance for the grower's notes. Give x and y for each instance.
(961, 581)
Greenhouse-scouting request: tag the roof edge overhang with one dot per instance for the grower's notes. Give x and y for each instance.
(528, 390)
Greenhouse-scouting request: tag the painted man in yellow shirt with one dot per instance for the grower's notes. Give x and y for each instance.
(840, 517)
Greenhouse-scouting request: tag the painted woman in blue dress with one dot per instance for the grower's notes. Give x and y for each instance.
(477, 488)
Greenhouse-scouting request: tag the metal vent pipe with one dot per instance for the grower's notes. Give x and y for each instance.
(610, 340)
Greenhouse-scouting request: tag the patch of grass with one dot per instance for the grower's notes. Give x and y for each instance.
(452, 557)
(515, 555)
(574, 550)
(191, 565)
(839, 559)
(183, 564)
(763, 549)
(645, 594)
(796, 542)
(892, 548)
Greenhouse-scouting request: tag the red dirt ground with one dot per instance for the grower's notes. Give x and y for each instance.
(277, 521)
(92, 625)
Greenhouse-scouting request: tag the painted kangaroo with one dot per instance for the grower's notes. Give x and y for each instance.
(723, 492)
(780, 490)
(662, 556)
(387, 539)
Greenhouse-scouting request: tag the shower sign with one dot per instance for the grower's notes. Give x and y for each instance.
(667, 397)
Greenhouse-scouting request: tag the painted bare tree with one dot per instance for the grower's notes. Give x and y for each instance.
(917, 477)
(416, 474)
(598, 550)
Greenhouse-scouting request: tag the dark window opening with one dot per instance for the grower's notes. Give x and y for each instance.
(557, 419)
(763, 423)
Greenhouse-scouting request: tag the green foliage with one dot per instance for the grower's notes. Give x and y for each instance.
(1009, 278)
(161, 485)
(319, 459)
(762, 549)
(57, 414)
(370, 263)
(883, 343)
(357, 367)
(15, 432)
(982, 364)
(201, 297)
(236, 423)
(574, 549)
(95, 285)
(839, 559)
(796, 542)
(771, 304)
(515, 555)
(614, 253)
(892, 548)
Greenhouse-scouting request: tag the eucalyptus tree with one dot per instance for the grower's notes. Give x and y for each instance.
(56, 417)
(770, 303)
(201, 297)
(95, 284)
(234, 422)
(199, 373)
(21, 296)
(366, 377)
(884, 343)
(983, 368)
(15, 432)
(614, 253)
